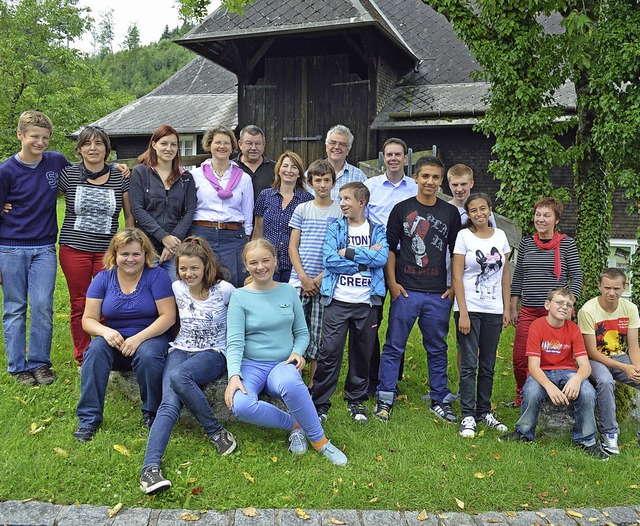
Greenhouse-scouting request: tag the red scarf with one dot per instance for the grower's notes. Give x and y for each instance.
(553, 244)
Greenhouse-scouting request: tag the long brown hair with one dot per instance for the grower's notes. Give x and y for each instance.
(297, 161)
(194, 246)
(150, 157)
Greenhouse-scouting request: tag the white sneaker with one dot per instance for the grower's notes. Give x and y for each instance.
(468, 427)
(610, 443)
(491, 421)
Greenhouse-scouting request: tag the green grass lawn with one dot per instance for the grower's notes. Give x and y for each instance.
(413, 461)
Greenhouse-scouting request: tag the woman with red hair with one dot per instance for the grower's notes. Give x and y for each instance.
(163, 195)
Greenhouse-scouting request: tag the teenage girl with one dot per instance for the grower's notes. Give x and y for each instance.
(196, 357)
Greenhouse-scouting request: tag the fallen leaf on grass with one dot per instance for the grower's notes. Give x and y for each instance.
(250, 512)
(460, 503)
(371, 484)
(496, 455)
(402, 398)
(248, 476)
(480, 433)
(478, 475)
(572, 513)
(251, 452)
(186, 516)
(34, 428)
(335, 521)
(122, 450)
(379, 458)
(47, 420)
(634, 486)
(274, 459)
(373, 500)
(114, 511)
(197, 490)
(185, 464)
(490, 472)
(60, 452)
(422, 516)
(21, 400)
(303, 514)
(191, 480)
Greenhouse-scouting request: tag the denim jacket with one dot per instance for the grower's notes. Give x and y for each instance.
(354, 260)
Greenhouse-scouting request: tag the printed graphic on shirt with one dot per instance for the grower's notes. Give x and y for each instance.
(489, 278)
(202, 323)
(611, 336)
(94, 208)
(355, 288)
(416, 227)
(554, 347)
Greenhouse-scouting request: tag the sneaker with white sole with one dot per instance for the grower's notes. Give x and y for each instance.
(224, 442)
(358, 413)
(610, 443)
(335, 456)
(443, 410)
(489, 420)
(382, 411)
(152, 480)
(468, 427)
(298, 442)
(595, 450)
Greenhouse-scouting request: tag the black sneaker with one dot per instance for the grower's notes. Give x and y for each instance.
(382, 410)
(322, 416)
(224, 441)
(152, 480)
(44, 375)
(25, 378)
(358, 413)
(516, 436)
(443, 410)
(147, 420)
(84, 434)
(595, 450)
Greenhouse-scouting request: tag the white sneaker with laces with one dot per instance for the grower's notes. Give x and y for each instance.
(468, 427)
(491, 421)
(610, 443)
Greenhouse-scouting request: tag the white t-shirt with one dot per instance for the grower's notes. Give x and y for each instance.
(355, 288)
(483, 267)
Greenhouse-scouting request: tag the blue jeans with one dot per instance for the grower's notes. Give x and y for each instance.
(100, 358)
(28, 277)
(184, 373)
(227, 245)
(433, 314)
(277, 380)
(604, 380)
(170, 267)
(533, 394)
(478, 361)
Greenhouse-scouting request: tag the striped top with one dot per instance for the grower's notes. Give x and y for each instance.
(91, 211)
(533, 277)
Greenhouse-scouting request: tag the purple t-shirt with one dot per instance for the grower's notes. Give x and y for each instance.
(130, 313)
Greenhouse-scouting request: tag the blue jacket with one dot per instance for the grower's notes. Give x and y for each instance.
(354, 260)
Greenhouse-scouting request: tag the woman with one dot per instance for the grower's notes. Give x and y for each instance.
(480, 271)
(264, 353)
(274, 208)
(196, 357)
(136, 302)
(546, 260)
(224, 211)
(163, 196)
(94, 194)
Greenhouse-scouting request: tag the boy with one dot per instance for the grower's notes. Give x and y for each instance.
(554, 346)
(609, 325)
(309, 226)
(460, 178)
(426, 228)
(28, 265)
(354, 254)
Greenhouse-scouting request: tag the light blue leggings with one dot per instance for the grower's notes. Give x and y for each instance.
(277, 380)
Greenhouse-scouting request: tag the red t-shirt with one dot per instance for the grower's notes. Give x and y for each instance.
(557, 347)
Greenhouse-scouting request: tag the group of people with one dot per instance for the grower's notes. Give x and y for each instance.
(268, 266)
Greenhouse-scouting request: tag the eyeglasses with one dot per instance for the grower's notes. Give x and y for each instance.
(253, 144)
(337, 143)
(561, 304)
(221, 143)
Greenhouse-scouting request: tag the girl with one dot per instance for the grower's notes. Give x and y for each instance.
(480, 271)
(196, 357)
(266, 338)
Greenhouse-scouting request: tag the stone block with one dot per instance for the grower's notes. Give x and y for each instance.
(411, 518)
(383, 518)
(526, 518)
(590, 516)
(132, 517)
(263, 518)
(554, 419)
(621, 515)
(83, 515)
(31, 513)
(207, 518)
(558, 517)
(288, 517)
(350, 517)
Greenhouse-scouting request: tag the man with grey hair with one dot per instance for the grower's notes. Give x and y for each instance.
(252, 159)
(338, 144)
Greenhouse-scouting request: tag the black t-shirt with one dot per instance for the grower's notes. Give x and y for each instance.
(263, 176)
(425, 233)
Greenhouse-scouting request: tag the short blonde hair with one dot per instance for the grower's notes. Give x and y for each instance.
(124, 237)
(460, 170)
(34, 118)
(207, 138)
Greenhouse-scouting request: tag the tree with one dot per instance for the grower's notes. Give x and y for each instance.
(38, 70)
(166, 34)
(196, 10)
(132, 39)
(106, 30)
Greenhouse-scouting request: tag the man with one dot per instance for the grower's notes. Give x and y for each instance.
(252, 160)
(338, 145)
(609, 326)
(460, 178)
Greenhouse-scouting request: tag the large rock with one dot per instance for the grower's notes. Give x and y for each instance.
(126, 383)
(554, 419)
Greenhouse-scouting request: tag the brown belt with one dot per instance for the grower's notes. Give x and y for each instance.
(219, 225)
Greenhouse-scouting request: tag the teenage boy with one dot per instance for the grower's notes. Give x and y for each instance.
(460, 179)
(425, 227)
(554, 347)
(309, 227)
(609, 325)
(29, 181)
(352, 291)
